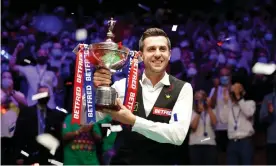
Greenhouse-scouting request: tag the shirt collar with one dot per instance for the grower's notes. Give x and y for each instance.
(165, 80)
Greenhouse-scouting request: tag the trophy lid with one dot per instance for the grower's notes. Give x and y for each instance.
(109, 43)
(111, 24)
(108, 53)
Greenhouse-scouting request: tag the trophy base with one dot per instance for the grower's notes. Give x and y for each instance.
(109, 107)
(106, 98)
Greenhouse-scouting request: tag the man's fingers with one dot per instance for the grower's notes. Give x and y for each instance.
(99, 83)
(119, 103)
(108, 111)
(103, 71)
(102, 75)
(101, 79)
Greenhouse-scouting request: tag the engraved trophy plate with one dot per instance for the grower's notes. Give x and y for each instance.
(111, 56)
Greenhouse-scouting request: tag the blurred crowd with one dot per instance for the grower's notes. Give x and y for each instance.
(36, 55)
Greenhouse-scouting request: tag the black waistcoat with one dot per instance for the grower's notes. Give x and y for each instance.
(136, 149)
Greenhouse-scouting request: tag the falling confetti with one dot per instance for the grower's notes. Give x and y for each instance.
(81, 34)
(144, 7)
(174, 27)
(62, 110)
(206, 139)
(27, 61)
(5, 54)
(24, 153)
(40, 95)
(48, 141)
(263, 68)
(220, 43)
(106, 125)
(116, 128)
(108, 132)
(54, 162)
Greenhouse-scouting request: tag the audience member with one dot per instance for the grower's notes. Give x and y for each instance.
(268, 116)
(36, 76)
(33, 121)
(202, 142)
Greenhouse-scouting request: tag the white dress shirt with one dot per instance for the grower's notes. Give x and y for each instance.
(174, 132)
(244, 119)
(197, 137)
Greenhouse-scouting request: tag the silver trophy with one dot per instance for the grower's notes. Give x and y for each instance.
(112, 56)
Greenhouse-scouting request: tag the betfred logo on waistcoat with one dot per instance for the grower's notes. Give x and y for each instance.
(162, 111)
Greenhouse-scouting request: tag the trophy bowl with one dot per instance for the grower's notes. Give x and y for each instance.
(108, 55)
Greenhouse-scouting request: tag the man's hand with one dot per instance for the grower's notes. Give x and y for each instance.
(19, 46)
(102, 77)
(124, 115)
(86, 128)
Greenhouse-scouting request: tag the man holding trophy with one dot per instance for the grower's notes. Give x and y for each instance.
(155, 108)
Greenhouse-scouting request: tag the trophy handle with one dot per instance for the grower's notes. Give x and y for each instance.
(133, 53)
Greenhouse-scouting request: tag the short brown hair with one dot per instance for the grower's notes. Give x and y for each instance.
(153, 32)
